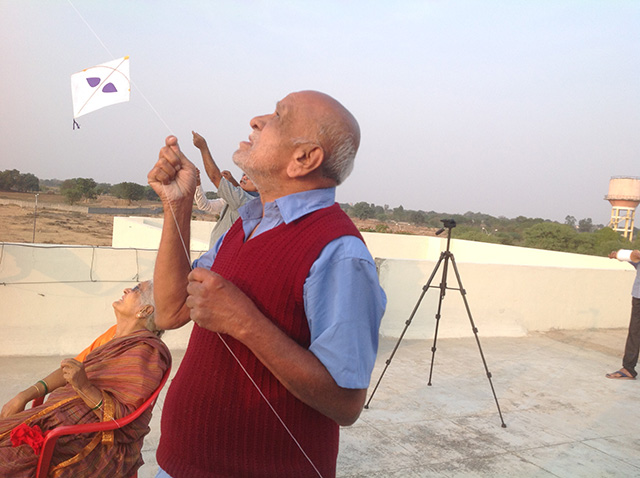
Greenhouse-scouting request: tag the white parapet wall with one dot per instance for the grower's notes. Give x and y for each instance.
(54, 300)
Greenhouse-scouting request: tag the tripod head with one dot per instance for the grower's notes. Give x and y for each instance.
(448, 224)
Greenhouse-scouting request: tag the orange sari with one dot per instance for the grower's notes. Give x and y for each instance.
(127, 370)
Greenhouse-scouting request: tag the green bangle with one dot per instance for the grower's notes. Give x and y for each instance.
(46, 388)
(98, 405)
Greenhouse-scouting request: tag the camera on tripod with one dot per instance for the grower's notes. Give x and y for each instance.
(448, 224)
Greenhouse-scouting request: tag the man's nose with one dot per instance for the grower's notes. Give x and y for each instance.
(258, 122)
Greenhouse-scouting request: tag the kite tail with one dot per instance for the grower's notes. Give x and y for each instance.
(75, 124)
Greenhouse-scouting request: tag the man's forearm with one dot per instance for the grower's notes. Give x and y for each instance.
(172, 267)
(300, 371)
(210, 166)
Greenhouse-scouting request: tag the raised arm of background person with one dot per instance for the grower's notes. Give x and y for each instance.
(210, 166)
(18, 403)
(213, 206)
(229, 177)
(635, 255)
(173, 178)
(218, 305)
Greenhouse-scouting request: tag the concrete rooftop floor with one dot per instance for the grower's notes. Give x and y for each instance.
(563, 417)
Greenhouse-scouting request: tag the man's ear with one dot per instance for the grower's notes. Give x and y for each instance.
(307, 158)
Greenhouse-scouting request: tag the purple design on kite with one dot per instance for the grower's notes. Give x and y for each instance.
(109, 88)
(93, 82)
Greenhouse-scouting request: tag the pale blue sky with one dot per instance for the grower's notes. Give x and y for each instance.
(503, 107)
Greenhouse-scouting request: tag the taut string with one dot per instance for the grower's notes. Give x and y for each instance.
(186, 250)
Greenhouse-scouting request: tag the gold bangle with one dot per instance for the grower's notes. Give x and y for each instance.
(37, 390)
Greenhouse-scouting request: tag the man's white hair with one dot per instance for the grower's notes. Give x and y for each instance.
(340, 147)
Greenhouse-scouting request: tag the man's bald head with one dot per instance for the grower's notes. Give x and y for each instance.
(327, 122)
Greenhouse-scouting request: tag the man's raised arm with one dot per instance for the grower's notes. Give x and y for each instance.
(173, 178)
(210, 166)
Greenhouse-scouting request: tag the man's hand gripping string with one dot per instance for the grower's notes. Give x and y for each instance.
(173, 177)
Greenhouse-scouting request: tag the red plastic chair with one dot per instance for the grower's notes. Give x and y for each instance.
(51, 437)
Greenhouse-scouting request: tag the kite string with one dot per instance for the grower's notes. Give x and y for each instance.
(246, 372)
(113, 58)
(186, 250)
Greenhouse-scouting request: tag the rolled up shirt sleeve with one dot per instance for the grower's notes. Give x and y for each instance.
(344, 304)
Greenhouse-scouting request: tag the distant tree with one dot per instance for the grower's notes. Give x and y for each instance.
(52, 183)
(570, 221)
(469, 233)
(28, 182)
(78, 188)
(8, 179)
(607, 240)
(103, 188)
(362, 210)
(418, 217)
(150, 194)
(13, 180)
(129, 191)
(551, 236)
(399, 214)
(71, 195)
(585, 225)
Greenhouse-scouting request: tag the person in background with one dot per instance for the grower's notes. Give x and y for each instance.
(234, 196)
(632, 347)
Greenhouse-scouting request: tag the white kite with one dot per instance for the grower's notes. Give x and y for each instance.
(100, 86)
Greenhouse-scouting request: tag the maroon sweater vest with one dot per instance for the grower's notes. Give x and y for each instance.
(214, 421)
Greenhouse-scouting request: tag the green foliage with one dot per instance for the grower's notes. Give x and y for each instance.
(13, 180)
(150, 194)
(103, 188)
(472, 234)
(78, 188)
(128, 191)
(363, 210)
(551, 236)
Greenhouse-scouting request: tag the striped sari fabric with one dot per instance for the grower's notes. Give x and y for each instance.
(127, 370)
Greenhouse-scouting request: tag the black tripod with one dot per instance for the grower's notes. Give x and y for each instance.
(445, 257)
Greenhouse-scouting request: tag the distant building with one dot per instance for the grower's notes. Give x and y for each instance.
(624, 196)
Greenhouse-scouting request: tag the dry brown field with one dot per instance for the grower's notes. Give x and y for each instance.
(54, 226)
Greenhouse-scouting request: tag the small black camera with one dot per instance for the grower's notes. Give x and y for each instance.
(448, 223)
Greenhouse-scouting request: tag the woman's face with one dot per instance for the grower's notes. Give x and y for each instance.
(131, 301)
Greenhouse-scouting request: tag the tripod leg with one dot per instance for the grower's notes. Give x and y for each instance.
(407, 324)
(475, 332)
(443, 291)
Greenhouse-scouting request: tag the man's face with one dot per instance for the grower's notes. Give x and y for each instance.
(270, 144)
(247, 184)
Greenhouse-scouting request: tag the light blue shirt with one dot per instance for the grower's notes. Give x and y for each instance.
(343, 300)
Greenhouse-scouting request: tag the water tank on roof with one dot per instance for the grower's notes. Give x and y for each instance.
(624, 196)
(624, 191)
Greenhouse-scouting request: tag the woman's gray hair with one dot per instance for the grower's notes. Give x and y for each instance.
(146, 297)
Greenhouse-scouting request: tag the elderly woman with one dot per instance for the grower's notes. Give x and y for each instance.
(114, 379)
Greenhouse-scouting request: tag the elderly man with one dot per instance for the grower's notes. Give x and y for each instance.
(287, 317)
